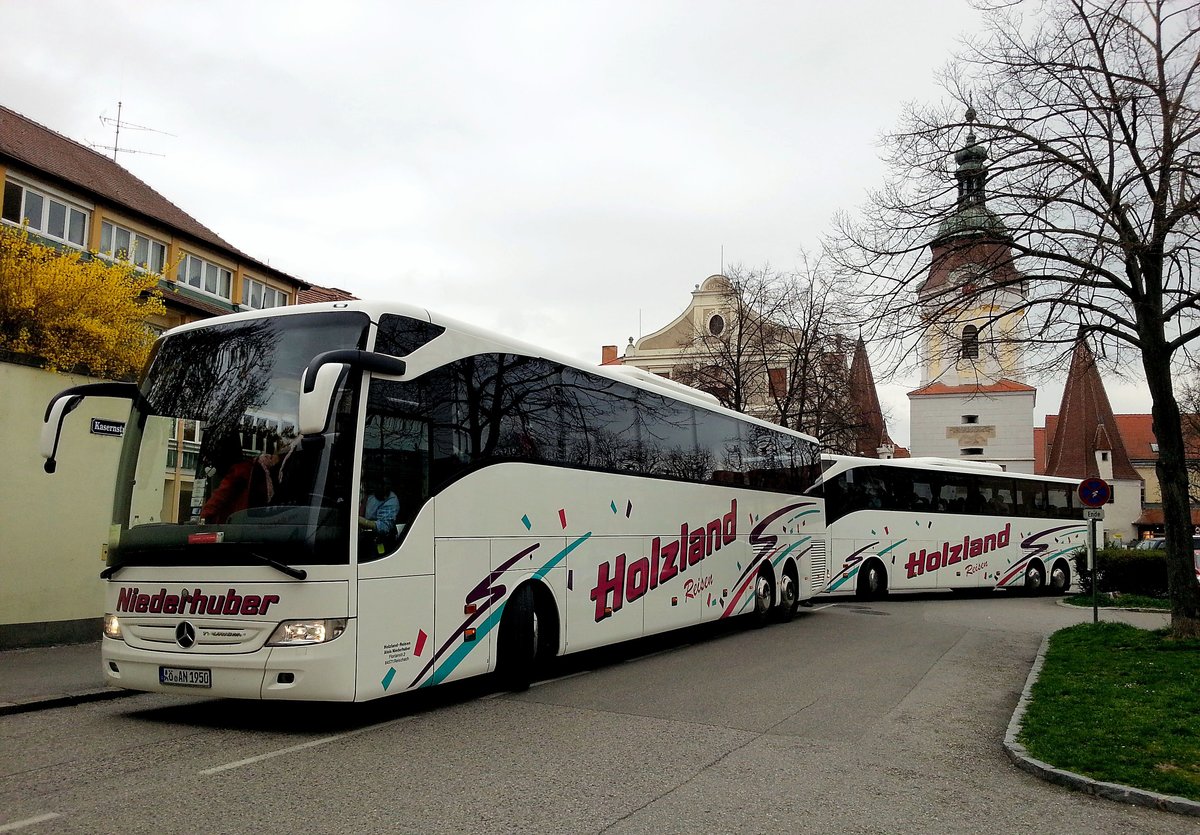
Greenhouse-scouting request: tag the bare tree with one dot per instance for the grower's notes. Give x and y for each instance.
(1088, 110)
(810, 357)
(779, 351)
(723, 355)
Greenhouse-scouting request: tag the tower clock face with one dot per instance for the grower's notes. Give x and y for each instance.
(967, 277)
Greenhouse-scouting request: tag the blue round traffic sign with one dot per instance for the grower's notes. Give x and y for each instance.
(1094, 492)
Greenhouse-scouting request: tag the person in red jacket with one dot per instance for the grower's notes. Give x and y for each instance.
(244, 482)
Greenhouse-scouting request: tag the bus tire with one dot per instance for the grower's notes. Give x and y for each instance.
(519, 641)
(764, 597)
(789, 594)
(1060, 578)
(872, 581)
(1035, 578)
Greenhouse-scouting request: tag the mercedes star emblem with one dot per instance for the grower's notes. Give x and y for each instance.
(185, 635)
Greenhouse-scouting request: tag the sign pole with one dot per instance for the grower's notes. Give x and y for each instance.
(1092, 568)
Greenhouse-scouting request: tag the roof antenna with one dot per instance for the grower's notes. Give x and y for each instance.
(117, 125)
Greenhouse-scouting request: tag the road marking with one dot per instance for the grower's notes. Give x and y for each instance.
(15, 825)
(312, 743)
(819, 608)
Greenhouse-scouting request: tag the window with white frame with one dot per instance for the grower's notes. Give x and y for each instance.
(123, 244)
(49, 216)
(205, 276)
(257, 295)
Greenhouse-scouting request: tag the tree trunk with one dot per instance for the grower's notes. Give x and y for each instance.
(1173, 482)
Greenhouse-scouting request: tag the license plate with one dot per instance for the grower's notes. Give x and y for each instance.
(185, 677)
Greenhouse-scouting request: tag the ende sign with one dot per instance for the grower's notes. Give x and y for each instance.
(112, 428)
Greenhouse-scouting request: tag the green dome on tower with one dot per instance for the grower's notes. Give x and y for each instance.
(971, 215)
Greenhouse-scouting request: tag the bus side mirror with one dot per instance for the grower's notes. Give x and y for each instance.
(316, 401)
(65, 402)
(320, 379)
(61, 406)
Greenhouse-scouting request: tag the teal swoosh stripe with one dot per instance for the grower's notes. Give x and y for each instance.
(850, 574)
(489, 623)
(775, 562)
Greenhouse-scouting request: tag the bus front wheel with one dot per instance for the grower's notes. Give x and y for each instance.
(872, 581)
(519, 641)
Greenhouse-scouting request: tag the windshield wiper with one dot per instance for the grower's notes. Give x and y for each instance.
(298, 573)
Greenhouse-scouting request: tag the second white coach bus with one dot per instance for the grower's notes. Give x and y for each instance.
(922, 524)
(349, 500)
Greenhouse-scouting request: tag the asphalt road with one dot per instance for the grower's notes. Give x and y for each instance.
(860, 718)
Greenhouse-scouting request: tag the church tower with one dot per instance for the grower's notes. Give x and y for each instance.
(974, 402)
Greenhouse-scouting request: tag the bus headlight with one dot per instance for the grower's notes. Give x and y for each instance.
(292, 633)
(112, 626)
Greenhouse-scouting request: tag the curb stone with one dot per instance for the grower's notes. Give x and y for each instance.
(48, 702)
(1110, 791)
(1067, 605)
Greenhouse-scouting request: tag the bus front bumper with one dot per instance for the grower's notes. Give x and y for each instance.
(317, 672)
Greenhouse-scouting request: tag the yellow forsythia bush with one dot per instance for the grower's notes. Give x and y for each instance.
(70, 310)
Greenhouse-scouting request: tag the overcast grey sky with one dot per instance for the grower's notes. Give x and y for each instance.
(563, 171)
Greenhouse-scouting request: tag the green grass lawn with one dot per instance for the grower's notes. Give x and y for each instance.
(1126, 601)
(1120, 704)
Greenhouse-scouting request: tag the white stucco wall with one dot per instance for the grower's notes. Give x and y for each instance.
(1004, 430)
(53, 527)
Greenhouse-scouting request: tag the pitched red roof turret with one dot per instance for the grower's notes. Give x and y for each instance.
(1083, 426)
(872, 431)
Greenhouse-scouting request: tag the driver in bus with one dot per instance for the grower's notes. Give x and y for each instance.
(381, 508)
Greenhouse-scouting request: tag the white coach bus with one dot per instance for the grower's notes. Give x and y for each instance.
(921, 524)
(349, 500)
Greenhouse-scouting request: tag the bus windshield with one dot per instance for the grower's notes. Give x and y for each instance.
(212, 471)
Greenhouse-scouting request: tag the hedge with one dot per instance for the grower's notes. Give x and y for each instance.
(1125, 571)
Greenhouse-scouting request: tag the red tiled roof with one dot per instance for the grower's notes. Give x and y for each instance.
(1136, 434)
(46, 152)
(1154, 516)
(313, 293)
(1081, 430)
(1004, 386)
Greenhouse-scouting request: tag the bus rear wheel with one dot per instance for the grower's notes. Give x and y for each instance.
(872, 581)
(789, 594)
(1060, 578)
(519, 643)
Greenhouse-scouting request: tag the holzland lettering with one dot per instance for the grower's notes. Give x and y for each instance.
(949, 554)
(623, 583)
